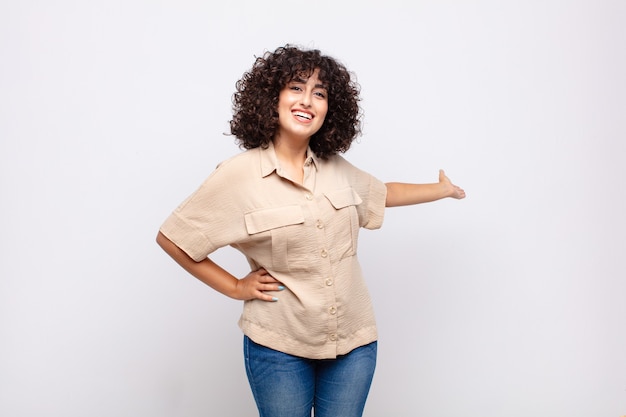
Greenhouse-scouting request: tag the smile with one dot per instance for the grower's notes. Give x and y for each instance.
(303, 115)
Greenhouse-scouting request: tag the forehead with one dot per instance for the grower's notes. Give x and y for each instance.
(308, 76)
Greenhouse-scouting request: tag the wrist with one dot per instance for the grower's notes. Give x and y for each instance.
(447, 190)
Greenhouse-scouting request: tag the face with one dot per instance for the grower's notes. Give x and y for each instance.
(302, 107)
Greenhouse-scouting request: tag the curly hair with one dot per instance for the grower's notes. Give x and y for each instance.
(255, 102)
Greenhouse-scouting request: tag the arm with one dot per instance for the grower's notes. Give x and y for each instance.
(252, 286)
(402, 194)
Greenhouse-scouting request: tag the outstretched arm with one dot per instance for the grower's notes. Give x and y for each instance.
(403, 194)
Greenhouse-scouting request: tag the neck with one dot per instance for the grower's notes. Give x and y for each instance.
(290, 152)
(291, 157)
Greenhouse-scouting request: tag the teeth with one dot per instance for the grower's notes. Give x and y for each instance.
(301, 114)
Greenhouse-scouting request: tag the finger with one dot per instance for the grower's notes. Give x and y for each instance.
(267, 297)
(266, 288)
(267, 278)
(261, 274)
(272, 287)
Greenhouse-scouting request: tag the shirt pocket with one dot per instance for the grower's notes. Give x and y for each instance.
(343, 222)
(277, 233)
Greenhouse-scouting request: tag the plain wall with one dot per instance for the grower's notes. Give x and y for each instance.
(508, 303)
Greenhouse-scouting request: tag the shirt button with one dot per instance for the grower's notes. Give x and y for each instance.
(319, 224)
(332, 310)
(308, 196)
(324, 253)
(329, 282)
(332, 337)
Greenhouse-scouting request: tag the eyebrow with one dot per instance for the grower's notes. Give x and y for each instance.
(303, 81)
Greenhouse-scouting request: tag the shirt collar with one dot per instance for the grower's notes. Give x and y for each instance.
(269, 161)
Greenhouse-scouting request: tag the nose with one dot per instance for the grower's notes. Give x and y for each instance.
(306, 98)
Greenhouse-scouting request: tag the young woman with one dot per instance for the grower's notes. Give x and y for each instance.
(293, 206)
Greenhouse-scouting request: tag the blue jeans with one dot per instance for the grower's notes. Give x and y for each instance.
(290, 386)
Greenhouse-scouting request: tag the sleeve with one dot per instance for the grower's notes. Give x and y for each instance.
(374, 210)
(209, 218)
(372, 191)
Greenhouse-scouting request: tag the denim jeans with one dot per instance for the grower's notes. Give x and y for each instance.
(290, 386)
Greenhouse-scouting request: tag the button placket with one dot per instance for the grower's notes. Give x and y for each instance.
(329, 279)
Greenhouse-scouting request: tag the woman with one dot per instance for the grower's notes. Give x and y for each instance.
(293, 206)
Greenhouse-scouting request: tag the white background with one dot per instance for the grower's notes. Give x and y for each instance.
(508, 303)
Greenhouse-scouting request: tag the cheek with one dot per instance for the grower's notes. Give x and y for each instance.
(322, 114)
(284, 100)
(322, 109)
(284, 108)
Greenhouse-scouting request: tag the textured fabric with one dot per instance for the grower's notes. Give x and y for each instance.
(304, 236)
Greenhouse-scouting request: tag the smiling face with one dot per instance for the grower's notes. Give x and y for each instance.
(302, 108)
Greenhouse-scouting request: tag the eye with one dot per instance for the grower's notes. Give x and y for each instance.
(295, 86)
(320, 94)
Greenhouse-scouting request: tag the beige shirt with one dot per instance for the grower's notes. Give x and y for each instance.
(304, 236)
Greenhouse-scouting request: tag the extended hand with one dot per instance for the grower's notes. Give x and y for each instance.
(454, 190)
(255, 285)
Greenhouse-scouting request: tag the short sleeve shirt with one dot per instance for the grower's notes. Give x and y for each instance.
(305, 236)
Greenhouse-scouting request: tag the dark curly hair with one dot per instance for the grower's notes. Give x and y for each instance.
(255, 103)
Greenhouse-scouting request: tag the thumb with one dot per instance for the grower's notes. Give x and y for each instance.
(442, 175)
